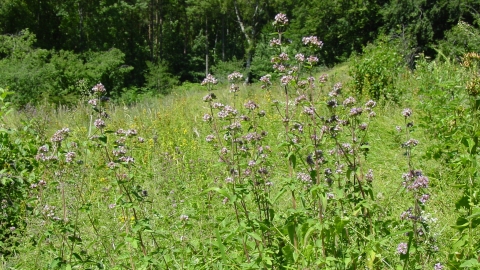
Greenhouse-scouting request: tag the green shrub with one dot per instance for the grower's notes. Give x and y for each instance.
(159, 79)
(37, 75)
(376, 71)
(223, 68)
(461, 39)
(17, 161)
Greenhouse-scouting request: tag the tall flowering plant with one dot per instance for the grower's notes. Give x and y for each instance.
(239, 141)
(420, 243)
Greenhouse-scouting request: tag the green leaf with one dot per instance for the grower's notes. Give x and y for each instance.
(295, 256)
(77, 256)
(470, 263)
(223, 192)
(221, 246)
(316, 226)
(103, 138)
(347, 261)
(292, 158)
(282, 191)
(255, 236)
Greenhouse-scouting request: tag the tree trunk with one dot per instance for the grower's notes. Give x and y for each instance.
(223, 37)
(206, 45)
(249, 37)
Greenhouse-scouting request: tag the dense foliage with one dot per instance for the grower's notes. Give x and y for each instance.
(301, 170)
(134, 46)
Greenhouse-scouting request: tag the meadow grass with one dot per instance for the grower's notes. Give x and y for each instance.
(173, 209)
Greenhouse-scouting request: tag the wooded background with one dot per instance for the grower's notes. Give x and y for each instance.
(49, 49)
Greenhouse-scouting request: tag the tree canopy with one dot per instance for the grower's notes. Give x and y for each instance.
(184, 39)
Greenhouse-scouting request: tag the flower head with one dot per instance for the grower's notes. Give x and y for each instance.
(312, 59)
(99, 88)
(300, 57)
(250, 105)
(349, 101)
(407, 112)
(93, 102)
(312, 41)
(424, 198)
(370, 104)
(234, 88)
(265, 81)
(304, 178)
(280, 19)
(323, 78)
(275, 42)
(70, 156)
(286, 79)
(283, 56)
(207, 117)
(209, 80)
(356, 111)
(209, 97)
(235, 76)
(210, 138)
(60, 135)
(99, 123)
(402, 248)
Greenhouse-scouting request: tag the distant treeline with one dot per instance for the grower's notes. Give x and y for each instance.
(50, 49)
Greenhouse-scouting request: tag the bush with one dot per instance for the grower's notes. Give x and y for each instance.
(16, 174)
(459, 40)
(376, 71)
(223, 68)
(40, 75)
(159, 79)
